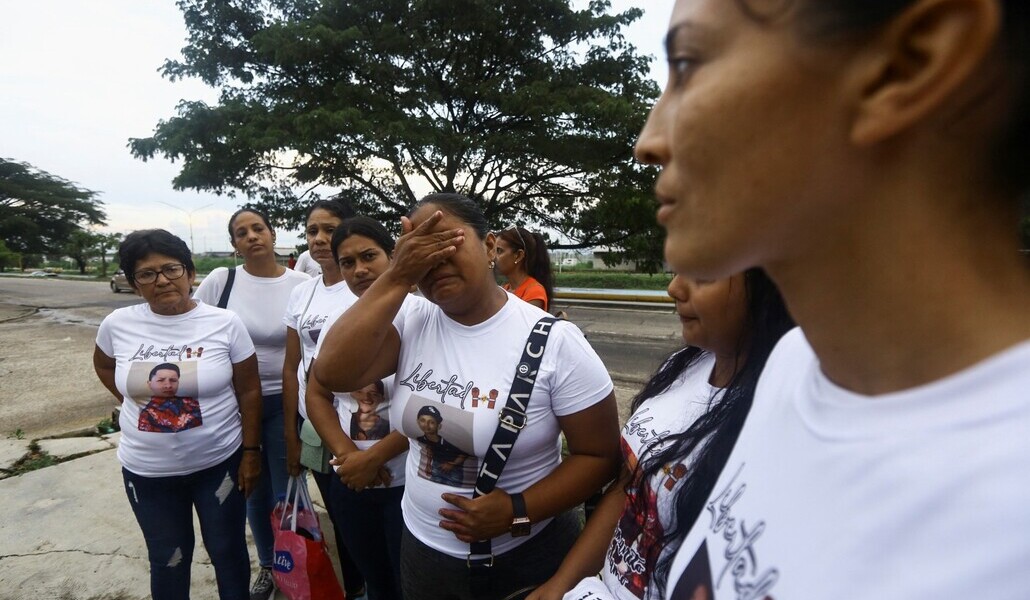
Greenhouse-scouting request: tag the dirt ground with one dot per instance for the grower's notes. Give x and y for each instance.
(47, 383)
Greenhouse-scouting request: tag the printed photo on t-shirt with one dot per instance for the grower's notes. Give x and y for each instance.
(696, 581)
(444, 436)
(167, 395)
(370, 416)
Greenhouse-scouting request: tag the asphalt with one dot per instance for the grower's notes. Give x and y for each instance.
(67, 531)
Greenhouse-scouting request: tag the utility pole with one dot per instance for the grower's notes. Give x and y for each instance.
(189, 215)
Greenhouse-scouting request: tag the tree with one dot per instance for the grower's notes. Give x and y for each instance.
(8, 258)
(531, 108)
(39, 211)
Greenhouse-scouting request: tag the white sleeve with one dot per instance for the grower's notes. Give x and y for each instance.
(210, 289)
(105, 338)
(579, 378)
(590, 588)
(240, 345)
(291, 318)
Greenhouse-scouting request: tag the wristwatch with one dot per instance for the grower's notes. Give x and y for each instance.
(520, 525)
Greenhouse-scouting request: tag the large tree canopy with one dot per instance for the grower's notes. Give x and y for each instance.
(531, 108)
(39, 211)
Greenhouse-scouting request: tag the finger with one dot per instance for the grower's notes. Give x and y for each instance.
(406, 226)
(457, 516)
(460, 501)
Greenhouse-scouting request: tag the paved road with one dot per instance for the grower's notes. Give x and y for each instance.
(47, 385)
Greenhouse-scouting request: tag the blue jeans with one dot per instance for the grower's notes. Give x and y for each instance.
(370, 522)
(273, 480)
(164, 510)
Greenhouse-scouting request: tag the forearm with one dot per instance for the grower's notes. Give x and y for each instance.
(355, 343)
(250, 413)
(104, 367)
(290, 405)
(327, 423)
(586, 558)
(576, 479)
(389, 447)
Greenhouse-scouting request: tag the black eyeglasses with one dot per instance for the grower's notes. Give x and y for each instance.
(170, 271)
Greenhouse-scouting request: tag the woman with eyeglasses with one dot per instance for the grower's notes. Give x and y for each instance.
(259, 294)
(186, 375)
(523, 260)
(457, 355)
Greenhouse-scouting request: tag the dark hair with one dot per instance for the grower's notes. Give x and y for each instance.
(462, 207)
(709, 440)
(138, 244)
(538, 262)
(249, 209)
(339, 207)
(846, 18)
(164, 367)
(430, 411)
(363, 226)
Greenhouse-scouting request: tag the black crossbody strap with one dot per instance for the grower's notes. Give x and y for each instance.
(512, 419)
(223, 300)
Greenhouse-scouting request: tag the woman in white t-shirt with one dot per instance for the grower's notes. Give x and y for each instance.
(186, 376)
(683, 427)
(369, 455)
(309, 307)
(259, 293)
(871, 157)
(452, 353)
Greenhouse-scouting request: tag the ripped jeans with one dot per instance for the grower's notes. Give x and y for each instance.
(164, 510)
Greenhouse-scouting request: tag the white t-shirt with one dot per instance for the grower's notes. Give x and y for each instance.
(627, 568)
(365, 415)
(306, 264)
(921, 493)
(193, 424)
(260, 302)
(459, 377)
(309, 307)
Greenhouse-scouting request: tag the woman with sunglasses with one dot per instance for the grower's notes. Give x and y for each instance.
(201, 455)
(259, 293)
(523, 260)
(871, 157)
(455, 355)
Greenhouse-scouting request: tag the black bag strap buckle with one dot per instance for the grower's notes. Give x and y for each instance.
(474, 560)
(512, 417)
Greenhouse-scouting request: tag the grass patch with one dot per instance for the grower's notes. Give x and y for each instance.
(612, 280)
(17, 434)
(36, 459)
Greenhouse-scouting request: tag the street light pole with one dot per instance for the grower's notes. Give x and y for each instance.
(189, 215)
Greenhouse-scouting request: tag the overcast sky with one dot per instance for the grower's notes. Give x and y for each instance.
(78, 79)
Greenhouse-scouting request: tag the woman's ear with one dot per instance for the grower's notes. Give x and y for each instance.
(490, 243)
(919, 63)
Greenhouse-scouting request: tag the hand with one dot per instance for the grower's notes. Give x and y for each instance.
(293, 466)
(483, 518)
(250, 472)
(357, 470)
(420, 249)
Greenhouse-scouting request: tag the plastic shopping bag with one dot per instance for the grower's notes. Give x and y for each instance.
(302, 569)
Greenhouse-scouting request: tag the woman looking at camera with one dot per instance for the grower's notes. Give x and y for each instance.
(469, 334)
(369, 456)
(186, 376)
(258, 293)
(870, 156)
(523, 260)
(309, 307)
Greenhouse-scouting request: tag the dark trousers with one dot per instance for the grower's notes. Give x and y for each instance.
(370, 522)
(272, 484)
(431, 575)
(164, 510)
(353, 580)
